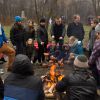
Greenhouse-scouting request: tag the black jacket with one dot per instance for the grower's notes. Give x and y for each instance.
(79, 85)
(17, 34)
(21, 84)
(42, 35)
(1, 90)
(29, 33)
(76, 30)
(58, 31)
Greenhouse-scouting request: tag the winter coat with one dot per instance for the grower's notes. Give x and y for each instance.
(95, 57)
(42, 35)
(79, 85)
(76, 30)
(1, 89)
(17, 34)
(2, 37)
(21, 84)
(58, 31)
(77, 48)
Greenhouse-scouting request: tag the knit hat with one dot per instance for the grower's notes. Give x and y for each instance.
(81, 61)
(97, 28)
(42, 20)
(18, 19)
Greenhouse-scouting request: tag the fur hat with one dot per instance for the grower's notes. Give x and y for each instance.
(81, 61)
(97, 28)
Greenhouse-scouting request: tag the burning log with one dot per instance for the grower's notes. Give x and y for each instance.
(51, 79)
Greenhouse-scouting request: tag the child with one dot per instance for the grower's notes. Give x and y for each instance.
(32, 50)
(53, 49)
(75, 48)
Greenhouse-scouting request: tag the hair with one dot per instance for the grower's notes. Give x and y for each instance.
(95, 21)
(72, 38)
(75, 16)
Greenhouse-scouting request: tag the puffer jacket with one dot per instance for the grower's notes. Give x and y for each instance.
(80, 85)
(21, 84)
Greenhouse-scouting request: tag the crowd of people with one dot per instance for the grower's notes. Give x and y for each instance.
(29, 45)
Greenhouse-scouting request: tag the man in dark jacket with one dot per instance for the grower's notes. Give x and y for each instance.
(17, 35)
(21, 84)
(42, 36)
(58, 31)
(76, 28)
(1, 89)
(79, 85)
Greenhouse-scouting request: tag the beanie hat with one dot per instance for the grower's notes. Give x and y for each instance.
(81, 61)
(18, 19)
(42, 20)
(97, 28)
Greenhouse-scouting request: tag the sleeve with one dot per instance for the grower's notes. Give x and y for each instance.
(1, 90)
(62, 85)
(38, 36)
(83, 32)
(3, 34)
(95, 55)
(64, 31)
(69, 30)
(12, 36)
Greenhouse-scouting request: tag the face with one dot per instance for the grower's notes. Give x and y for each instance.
(77, 20)
(30, 24)
(58, 21)
(42, 23)
(97, 36)
(53, 44)
(71, 42)
(30, 41)
(93, 24)
(19, 23)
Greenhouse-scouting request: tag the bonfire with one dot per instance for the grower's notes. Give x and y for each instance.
(52, 77)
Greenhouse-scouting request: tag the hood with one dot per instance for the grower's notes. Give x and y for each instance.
(22, 65)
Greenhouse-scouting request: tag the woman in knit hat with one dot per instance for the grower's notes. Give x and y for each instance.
(80, 84)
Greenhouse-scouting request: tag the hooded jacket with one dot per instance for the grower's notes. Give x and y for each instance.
(21, 84)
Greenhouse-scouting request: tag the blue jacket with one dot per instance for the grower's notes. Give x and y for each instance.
(2, 37)
(77, 49)
(21, 84)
